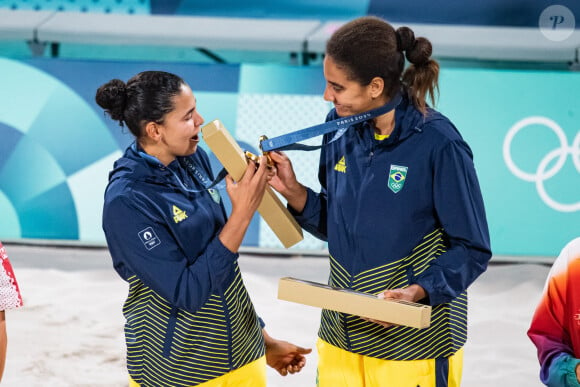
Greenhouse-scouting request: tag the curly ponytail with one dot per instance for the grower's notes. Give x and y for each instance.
(421, 78)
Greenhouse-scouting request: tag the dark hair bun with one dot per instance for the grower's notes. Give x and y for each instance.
(112, 96)
(421, 52)
(405, 38)
(418, 51)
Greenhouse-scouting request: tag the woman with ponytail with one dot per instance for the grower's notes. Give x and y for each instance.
(189, 319)
(400, 208)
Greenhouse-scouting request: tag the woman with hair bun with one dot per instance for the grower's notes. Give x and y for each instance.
(189, 318)
(400, 208)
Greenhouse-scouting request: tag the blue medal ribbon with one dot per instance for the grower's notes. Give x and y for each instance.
(194, 171)
(290, 141)
(201, 177)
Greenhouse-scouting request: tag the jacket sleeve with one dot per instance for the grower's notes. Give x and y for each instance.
(145, 247)
(313, 216)
(460, 211)
(548, 330)
(560, 371)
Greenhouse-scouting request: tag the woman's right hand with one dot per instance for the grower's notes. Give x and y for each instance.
(246, 196)
(285, 180)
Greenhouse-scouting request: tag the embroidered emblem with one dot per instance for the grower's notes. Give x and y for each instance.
(341, 165)
(577, 317)
(149, 238)
(178, 215)
(397, 177)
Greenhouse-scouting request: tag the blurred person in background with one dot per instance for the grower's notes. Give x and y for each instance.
(189, 318)
(400, 207)
(555, 326)
(10, 298)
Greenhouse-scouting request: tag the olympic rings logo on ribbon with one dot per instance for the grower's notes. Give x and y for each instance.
(542, 173)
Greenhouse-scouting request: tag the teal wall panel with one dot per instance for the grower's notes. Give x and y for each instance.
(486, 105)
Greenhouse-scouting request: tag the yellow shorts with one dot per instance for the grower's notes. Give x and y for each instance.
(340, 368)
(251, 375)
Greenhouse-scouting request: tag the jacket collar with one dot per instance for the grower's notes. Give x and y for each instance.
(408, 122)
(135, 165)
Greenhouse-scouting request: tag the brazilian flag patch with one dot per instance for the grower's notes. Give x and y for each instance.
(397, 177)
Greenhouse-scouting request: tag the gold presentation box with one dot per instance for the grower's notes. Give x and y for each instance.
(398, 312)
(233, 158)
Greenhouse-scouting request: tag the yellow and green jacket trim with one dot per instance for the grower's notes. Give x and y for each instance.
(171, 346)
(446, 334)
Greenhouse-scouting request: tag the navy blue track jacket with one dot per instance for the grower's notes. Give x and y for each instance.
(401, 211)
(188, 316)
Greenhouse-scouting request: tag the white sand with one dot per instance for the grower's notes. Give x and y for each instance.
(70, 331)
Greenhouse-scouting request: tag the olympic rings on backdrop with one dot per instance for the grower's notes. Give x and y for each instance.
(542, 173)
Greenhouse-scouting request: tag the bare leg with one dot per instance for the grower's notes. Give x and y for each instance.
(3, 342)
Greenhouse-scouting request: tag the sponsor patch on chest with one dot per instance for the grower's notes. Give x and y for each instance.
(341, 165)
(178, 214)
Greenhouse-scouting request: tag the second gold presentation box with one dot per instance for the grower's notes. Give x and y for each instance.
(359, 304)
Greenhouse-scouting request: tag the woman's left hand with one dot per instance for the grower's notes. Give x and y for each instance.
(412, 293)
(283, 356)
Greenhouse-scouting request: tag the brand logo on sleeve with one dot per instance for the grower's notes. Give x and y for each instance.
(178, 214)
(397, 177)
(341, 165)
(149, 238)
